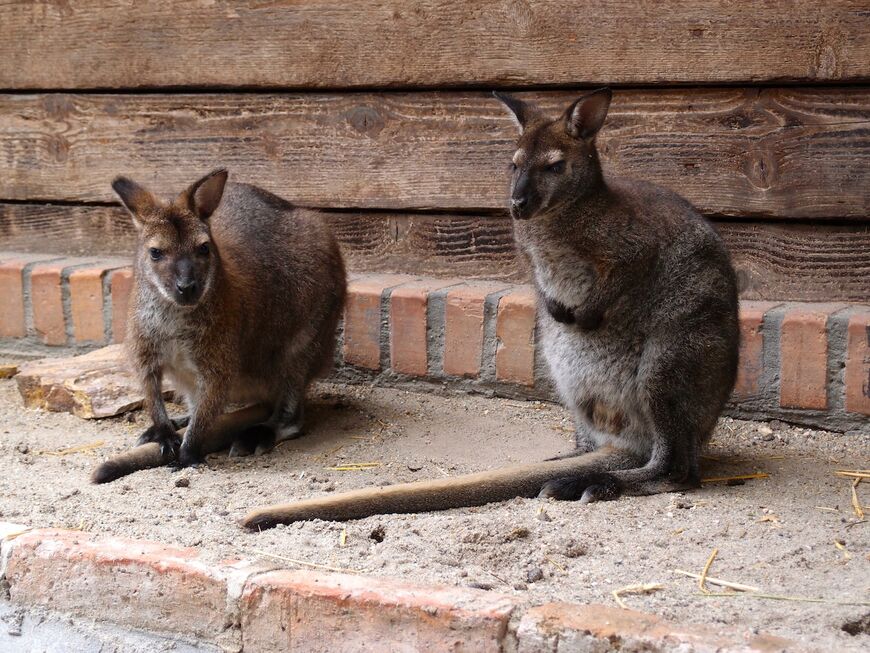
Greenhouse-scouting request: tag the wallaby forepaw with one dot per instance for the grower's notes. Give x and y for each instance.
(588, 319)
(558, 311)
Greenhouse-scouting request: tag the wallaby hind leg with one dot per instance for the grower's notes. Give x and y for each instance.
(254, 440)
(285, 423)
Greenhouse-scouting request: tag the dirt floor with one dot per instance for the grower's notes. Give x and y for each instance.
(794, 533)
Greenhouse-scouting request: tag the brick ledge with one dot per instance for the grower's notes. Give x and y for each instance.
(248, 605)
(807, 363)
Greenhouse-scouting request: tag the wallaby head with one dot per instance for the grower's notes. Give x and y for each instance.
(556, 161)
(175, 252)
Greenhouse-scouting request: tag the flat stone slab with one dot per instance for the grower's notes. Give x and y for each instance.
(91, 386)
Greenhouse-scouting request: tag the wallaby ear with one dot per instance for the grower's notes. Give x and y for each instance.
(138, 200)
(204, 195)
(521, 111)
(585, 117)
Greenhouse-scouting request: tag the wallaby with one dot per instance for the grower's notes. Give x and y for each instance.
(637, 321)
(236, 299)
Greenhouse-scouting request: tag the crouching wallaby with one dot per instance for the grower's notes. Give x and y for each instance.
(637, 322)
(236, 298)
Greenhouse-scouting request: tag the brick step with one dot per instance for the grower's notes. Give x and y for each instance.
(255, 606)
(802, 362)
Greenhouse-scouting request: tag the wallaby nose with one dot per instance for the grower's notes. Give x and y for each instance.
(186, 286)
(518, 202)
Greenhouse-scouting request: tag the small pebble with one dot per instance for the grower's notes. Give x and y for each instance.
(182, 482)
(480, 586)
(534, 574)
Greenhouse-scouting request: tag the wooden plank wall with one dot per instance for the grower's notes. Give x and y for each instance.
(379, 112)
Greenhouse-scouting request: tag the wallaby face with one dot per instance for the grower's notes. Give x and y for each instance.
(175, 248)
(555, 161)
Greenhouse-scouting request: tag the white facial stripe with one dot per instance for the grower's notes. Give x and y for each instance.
(553, 156)
(519, 156)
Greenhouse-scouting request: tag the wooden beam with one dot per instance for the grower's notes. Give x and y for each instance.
(376, 43)
(774, 260)
(796, 153)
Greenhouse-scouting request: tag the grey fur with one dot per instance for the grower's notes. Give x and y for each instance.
(638, 307)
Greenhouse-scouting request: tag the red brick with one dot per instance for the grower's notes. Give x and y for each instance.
(12, 299)
(463, 328)
(86, 302)
(804, 356)
(515, 330)
(569, 627)
(121, 286)
(362, 318)
(408, 319)
(312, 611)
(132, 582)
(46, 295)
(858, 363)
(751, 348)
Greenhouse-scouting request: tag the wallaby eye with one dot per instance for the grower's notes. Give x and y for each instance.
(203, 250)
(512, 166)
(557, 168)
(156, 254)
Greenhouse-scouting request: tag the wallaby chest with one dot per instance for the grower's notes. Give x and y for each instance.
(561, 273)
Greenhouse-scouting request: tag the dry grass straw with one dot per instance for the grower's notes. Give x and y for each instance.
(856, 505)
(780, 597)
(82, 448)
(853, 473)
(739, 477)
(353, 467)
(305, 563)
(718, 581)
(647, 588)
(702, 579)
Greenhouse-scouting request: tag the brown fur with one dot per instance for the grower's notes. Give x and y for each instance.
(236, 297)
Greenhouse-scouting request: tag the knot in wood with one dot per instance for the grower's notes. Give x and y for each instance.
(366, 120)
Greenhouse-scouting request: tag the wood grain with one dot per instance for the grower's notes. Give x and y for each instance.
(775, 260)
(67, 44)
(797, 153)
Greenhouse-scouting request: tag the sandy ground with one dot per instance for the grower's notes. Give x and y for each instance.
(794, 533)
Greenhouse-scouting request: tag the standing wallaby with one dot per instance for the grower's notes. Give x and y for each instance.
(637, 322)
(236, 299)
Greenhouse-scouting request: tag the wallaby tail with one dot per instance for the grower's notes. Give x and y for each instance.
(442, 494)
(149, 455)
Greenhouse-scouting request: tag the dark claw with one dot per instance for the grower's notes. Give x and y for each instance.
(166, 437)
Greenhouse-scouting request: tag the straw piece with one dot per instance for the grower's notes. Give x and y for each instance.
(647, 588)
(702, 579)
(305, 563)
(353, 467)
(859, 512)
(739, 477)
(77, 449)
(853, 473)
(778, 597)
(717, 581)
